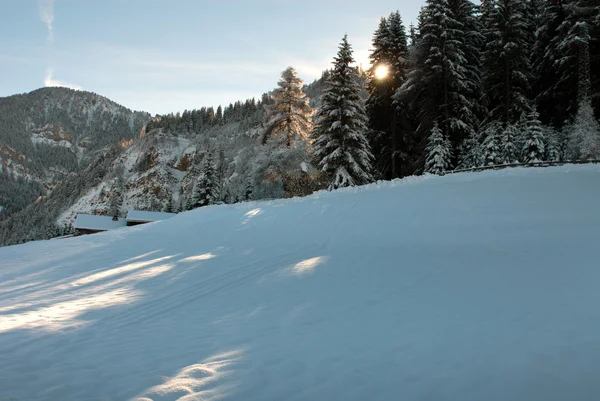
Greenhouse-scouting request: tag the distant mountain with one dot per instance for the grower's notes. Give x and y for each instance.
(52, 133)
(95, 156)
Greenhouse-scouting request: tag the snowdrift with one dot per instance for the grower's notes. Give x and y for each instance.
(467, 287)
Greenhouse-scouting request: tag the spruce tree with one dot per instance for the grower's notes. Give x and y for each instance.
(290, 115)
(579, 37)
(444, 84)
(533, 149)
(340, 145)
(439, 152)
(219, 115)
(388, 121)
(205, 187)
(506, 59)
(509, 153)
(470, 152)
(554, 88)
(189, 203)
(552, 145)
(491, 152)
(248, 190)
(169, 206)
(584, 134)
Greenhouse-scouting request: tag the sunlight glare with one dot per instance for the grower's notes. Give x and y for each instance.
(382, 71)
(202, 381)
(204, 256)
(308, 265)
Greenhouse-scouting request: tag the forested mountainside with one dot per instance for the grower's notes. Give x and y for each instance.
(51, 133)
(161, 169)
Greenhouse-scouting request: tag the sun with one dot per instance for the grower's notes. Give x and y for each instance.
(382, 71)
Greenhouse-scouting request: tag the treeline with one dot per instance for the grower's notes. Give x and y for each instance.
(198, 120)
(506, 81)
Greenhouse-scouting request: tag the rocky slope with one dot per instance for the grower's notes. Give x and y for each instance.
(51, 133)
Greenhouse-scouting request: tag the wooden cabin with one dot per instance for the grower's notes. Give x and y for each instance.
(136, 217)
(90, 224)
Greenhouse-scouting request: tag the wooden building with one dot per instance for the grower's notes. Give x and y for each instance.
(90, 224)
(136, 217)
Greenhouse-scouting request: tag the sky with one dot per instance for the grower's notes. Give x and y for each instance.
(165, 56)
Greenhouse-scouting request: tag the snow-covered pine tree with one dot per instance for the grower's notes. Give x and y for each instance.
(584, 134)
(508, 150)
(533, 149)
(506, 60)
(552, 145)
(205, 187)
(115, 203)
(470, 152)
(579, 47)
(340, 144)
(248, 190)
(444, 84)
(189, 203)
(439, 152)
(290, 115)
(388, 122)
(169, 206)
(491, 152)
(554, 87)
(221, 167)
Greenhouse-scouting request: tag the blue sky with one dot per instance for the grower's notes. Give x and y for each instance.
(169, 55)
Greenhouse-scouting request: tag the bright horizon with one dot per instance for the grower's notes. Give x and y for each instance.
(162, 57)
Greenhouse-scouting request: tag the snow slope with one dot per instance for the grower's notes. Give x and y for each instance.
(466, 287)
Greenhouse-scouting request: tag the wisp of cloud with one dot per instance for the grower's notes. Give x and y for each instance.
(46, 10)
(50, 81)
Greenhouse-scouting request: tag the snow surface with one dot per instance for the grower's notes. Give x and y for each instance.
(141, 216)
(91, 222)
(480, 286)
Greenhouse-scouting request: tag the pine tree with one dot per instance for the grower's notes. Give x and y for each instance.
(509, 152)
(189, 203)
(205, 187)
(290, 115)
(221, 176)
(552, 145)
(219, 115)
(444, 84)
(248, 191)
(506, 59)
(115, 204)
(584, 134)
(169, 206)
(533, 149)
(470, 152)
(388, 122)
(491, 145)
(339, 143)
(439, 152)
(554, 91)
(578, 44)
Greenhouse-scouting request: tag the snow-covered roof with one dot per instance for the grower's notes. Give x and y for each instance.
(139, 216)
(99, 223)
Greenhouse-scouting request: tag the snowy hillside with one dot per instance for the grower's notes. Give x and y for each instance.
(466, 287)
